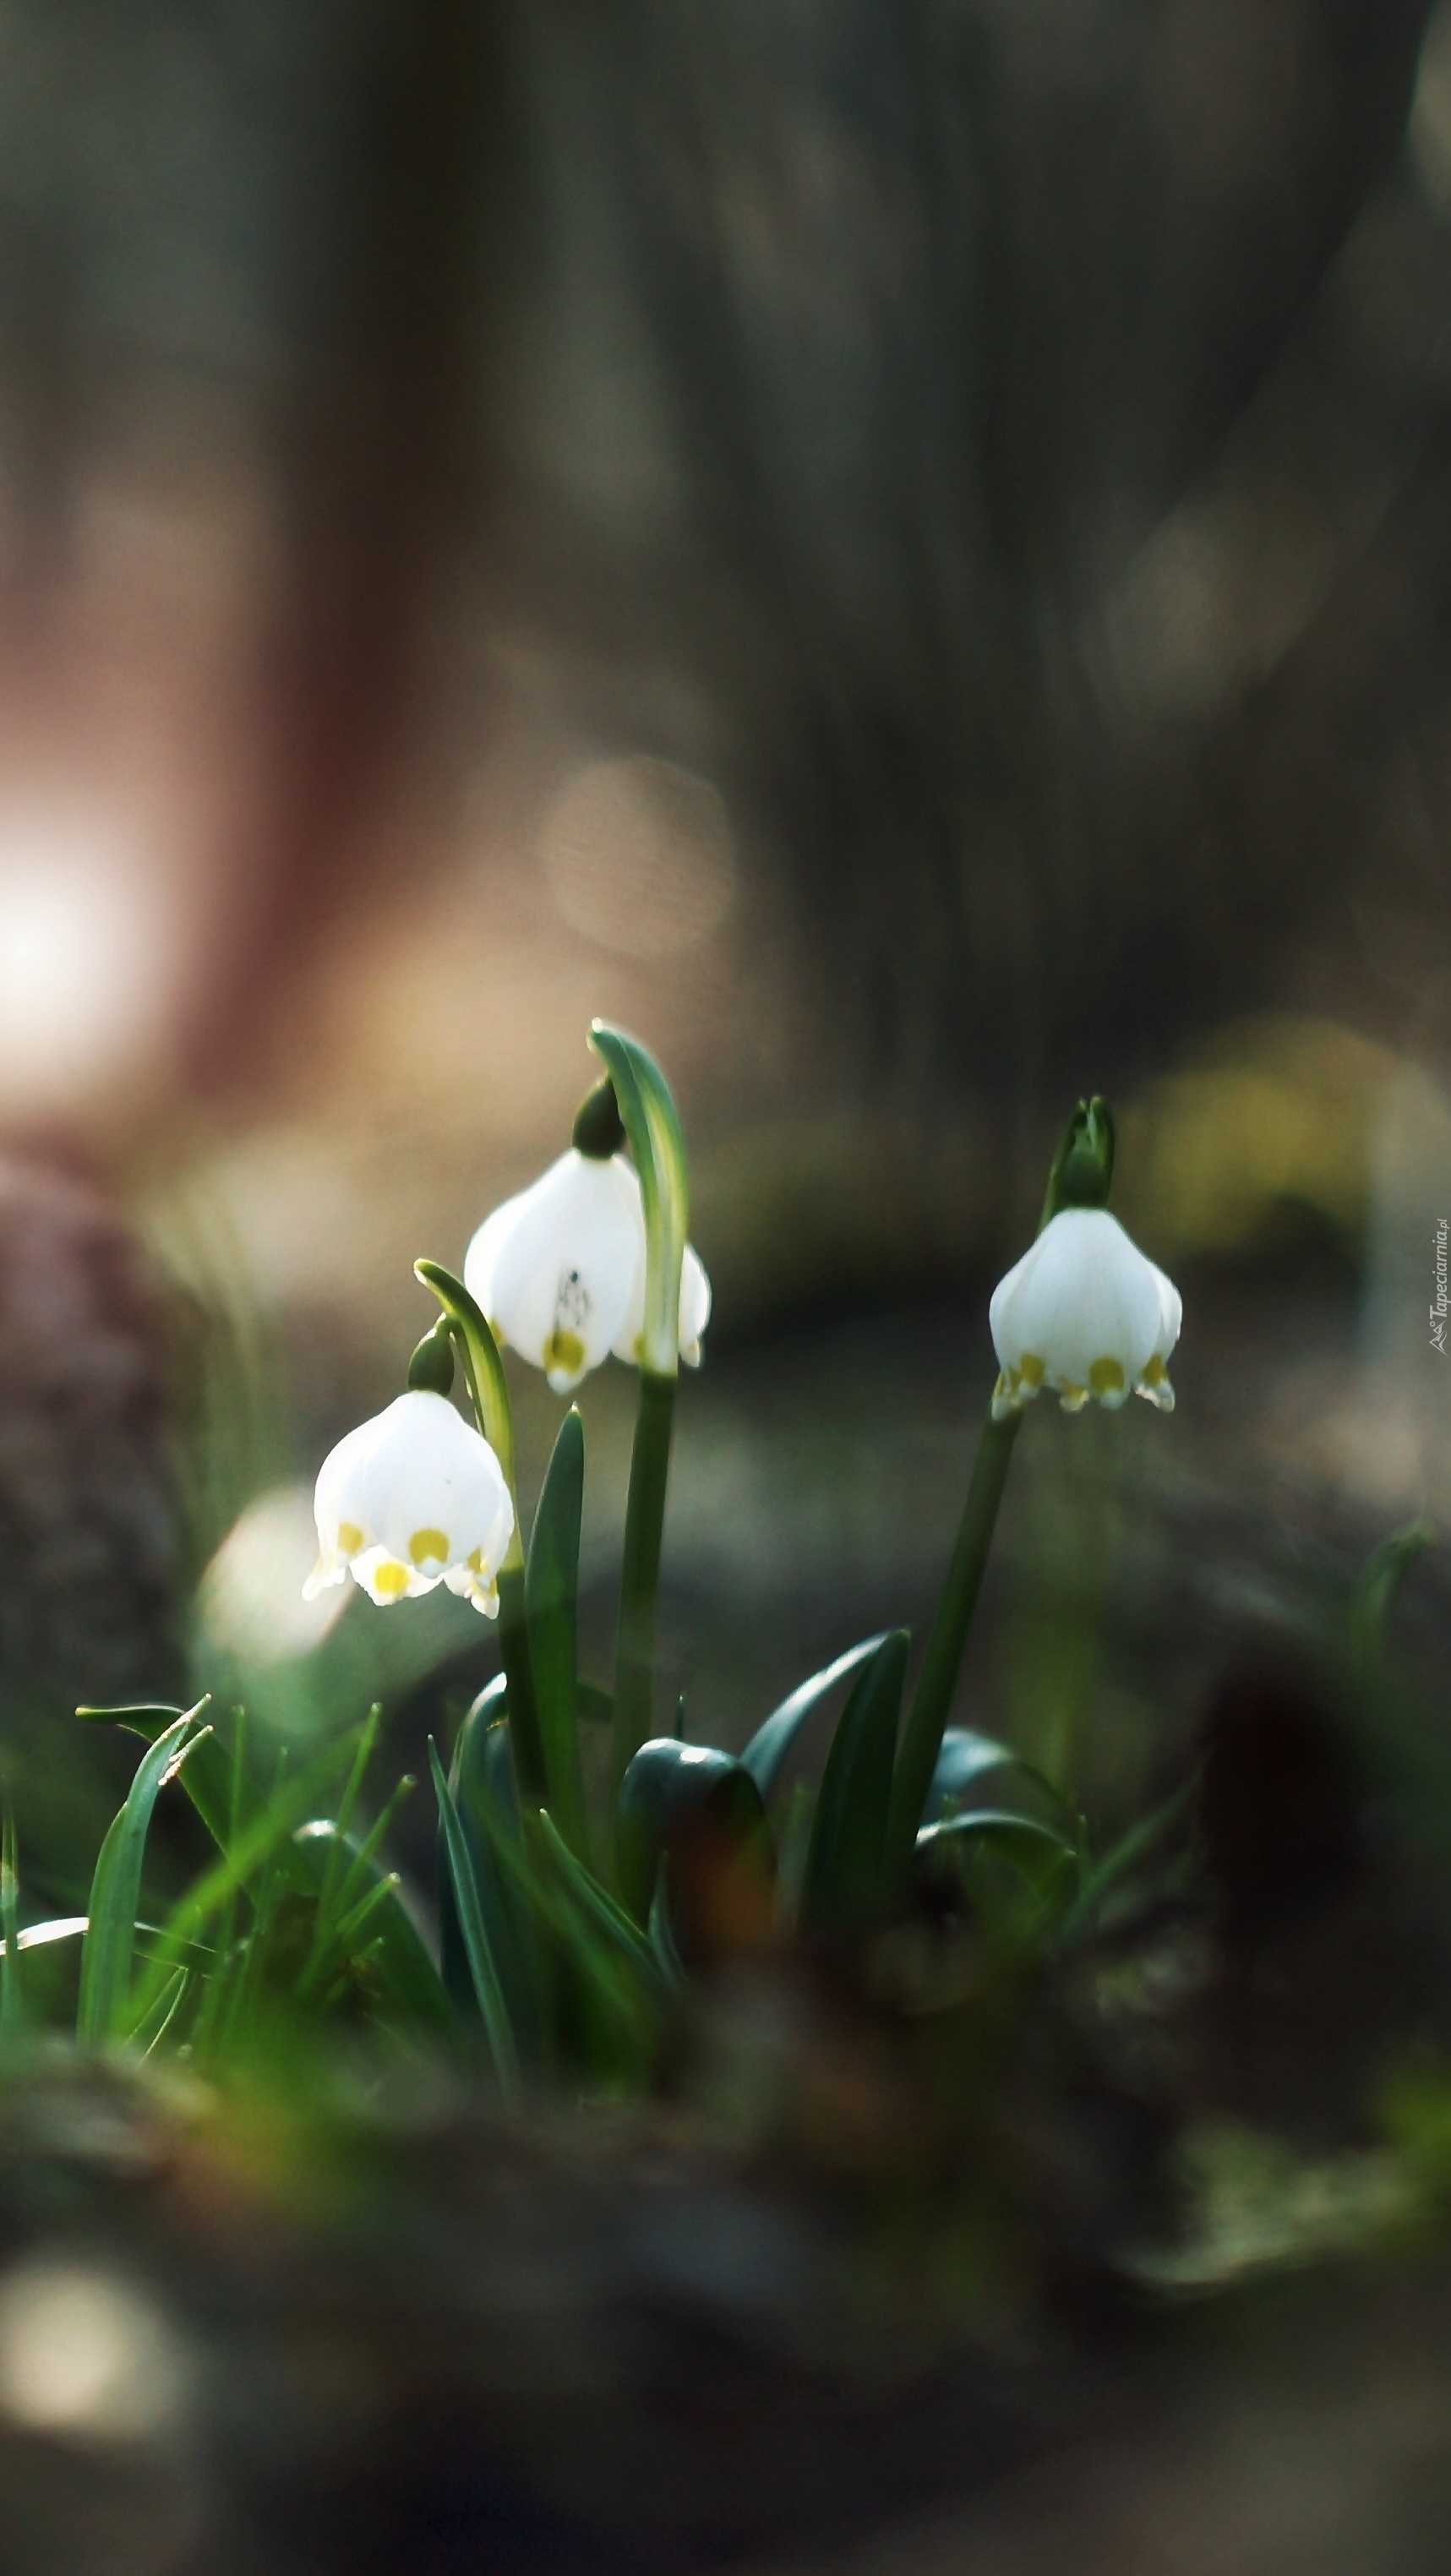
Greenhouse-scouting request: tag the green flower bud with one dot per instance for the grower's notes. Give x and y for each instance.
(430, 1371)
(1082, 1172)
(598, 1127)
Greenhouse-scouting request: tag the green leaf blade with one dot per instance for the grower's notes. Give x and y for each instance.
(765, 1755)
(487, 1988)
(844, 1890)
(551, 1588)
(116, 1893)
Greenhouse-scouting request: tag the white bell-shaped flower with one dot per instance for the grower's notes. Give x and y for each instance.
(412, 1499)
(559, 1271)
(1085, 1313)
(694, 1295)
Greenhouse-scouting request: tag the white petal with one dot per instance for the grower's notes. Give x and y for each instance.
(481, 1595)
(1171, 1315)
(554, 1269)
(695, 1297)
(1083, 1311)
(338, 1496)
(433, 1490)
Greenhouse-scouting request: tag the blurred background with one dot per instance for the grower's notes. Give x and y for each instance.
(901, 551)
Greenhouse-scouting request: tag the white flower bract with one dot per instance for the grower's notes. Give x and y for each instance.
(411, 1499)
(1086, 1313)
(559, 1271)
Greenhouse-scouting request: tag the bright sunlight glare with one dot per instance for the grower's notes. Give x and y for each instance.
(85, 952)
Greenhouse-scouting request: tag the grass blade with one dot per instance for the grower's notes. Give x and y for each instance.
(409, 1976)
(208, 1895)
(150, 2031)
(1125, 1856)
(208, 1777)
(116, 1892)
(487, 1989)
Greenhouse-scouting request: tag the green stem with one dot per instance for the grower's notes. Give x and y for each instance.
(640, 1570)
(942, 1660)
(524, 1734)
(484, 1374)
(489, 1394)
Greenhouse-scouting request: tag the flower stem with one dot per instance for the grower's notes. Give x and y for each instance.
(640, 1570)
(942, 1660)
(489, 1395)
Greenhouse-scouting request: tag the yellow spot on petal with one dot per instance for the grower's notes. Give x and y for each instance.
(475, 1560)
(350, 1537)
(1156, 1374)
(1073, 1398)
(564, 1351)
(426, 1543)
(1031, 1370)
(1106, 1377)
(391, 1577)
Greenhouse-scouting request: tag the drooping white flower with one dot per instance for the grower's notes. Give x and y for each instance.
(1086, 1313)
(559, 1271)
(411, 1499)
(694, 1295)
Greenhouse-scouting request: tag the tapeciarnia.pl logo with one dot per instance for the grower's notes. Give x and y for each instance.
(1438, 1309)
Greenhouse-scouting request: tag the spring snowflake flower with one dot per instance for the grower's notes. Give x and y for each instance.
(412, 1499)
(560, 1270)
(694, 1294)
(1086, 1313)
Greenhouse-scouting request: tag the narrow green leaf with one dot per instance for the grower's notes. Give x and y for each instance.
(551, 1585)
(487, 1989)
(254, 1849)
(152, 2029)
(367, 1743)
(549, 1907)
(208, 1778)
(1373, 1595)
(594, 1901)
(116, 1892)
(407, 1974)
(845, 1884)
(245, 1985)
(1000, 1825)
(966, 1756)
(481, 1776)
(766, 1753)
(1126, 1855)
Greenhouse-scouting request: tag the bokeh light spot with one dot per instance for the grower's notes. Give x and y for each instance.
(86, 962)
(82, 2352)
(251, 1595)
(639, 856)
